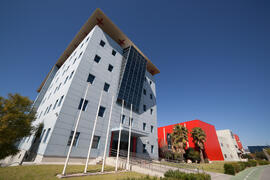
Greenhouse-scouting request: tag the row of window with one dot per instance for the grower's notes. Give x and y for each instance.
(144, 92)
(97, 59)
(76, 140)
(102, 43)
(144, 124)
(144, 109)
(144, 148)
(56, 104)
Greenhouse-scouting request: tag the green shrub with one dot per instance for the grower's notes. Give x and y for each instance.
(252, 162)
(177, 175)
(229, 169)
(192, 154)
(263, 162)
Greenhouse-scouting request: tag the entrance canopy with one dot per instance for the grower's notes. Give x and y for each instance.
(134, 132)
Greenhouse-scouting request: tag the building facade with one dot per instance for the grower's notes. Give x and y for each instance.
(212, 148)
(100, 54)
(230, 144)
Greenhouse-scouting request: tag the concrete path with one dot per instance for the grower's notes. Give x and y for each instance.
(254, 173)
(265, 175)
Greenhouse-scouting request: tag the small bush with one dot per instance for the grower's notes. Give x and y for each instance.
(263, 162)
(229, 169)
(177, 175)
(252, 162)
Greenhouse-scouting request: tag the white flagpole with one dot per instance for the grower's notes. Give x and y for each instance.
(93, 133)
(107, 137)
(119, 136)
(129, 137)
(75, 130)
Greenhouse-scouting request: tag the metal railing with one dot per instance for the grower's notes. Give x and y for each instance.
(145, 161)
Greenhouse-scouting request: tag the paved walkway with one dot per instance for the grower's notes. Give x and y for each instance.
(254, 173)
(265, 174)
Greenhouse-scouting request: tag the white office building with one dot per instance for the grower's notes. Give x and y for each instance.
(228, 144)
(102, 55)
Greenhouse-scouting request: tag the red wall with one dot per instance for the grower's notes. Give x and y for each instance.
(238, 141)
(212, 146)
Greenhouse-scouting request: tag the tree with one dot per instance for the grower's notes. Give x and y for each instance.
(199, 138)
(179, 138)
(192, 154)
(16, 117)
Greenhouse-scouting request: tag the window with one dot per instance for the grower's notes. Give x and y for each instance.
(110, 68)
(80, 54)
(42, 134)
(71, 75)
(151, 96)
(144, 148)
(225, 155)
(97, 58)
(169, 142)
(101, 111)
(74, 60)
(40, 114)
(91, 78)
(87, 39)
(81, 45)
(144, 107)
(75, 142)
(59, 86)
(49, 108)
(61, 99)
(113, 52)
(102, 43)
(144, 126)
(131, 122)
(144, 91)
(221, 144)
(106, 87)
(83, 104)
(45, 111)
(47, 134)
(123, 119)
(145, 79)
(54, 106)
(150, 82)
(152, 128)
(66, 80)
(95, 142)
(152, 149)
(151, 111)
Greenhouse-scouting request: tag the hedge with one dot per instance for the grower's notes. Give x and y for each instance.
(177, 175)
(235, 167)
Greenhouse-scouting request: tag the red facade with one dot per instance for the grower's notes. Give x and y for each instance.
(240, 146)
(212, 146)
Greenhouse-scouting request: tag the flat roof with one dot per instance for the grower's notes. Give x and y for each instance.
(100, 19)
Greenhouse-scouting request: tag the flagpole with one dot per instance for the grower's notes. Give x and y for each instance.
(75, 131)
(129, 137)
(93, 133)
(119, 135)
(107, 137)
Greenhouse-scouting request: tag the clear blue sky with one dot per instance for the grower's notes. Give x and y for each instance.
(214, 56)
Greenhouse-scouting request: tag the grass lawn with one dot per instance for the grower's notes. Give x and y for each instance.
(211, 167)
(217, 166)
(48, 172)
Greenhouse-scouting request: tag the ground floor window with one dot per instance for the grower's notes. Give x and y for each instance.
(95, 142)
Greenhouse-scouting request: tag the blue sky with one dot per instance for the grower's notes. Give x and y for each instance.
(213, 54)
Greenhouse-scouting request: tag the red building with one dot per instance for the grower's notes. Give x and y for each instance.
(212, 147)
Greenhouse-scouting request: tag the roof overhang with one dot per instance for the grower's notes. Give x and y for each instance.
(100, 19)
(134, 132)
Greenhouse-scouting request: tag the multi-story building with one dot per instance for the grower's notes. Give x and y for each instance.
(212, 149)
(230, 144)
(102, 55)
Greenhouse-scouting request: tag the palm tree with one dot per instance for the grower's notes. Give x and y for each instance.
(199, 137)
(179, 138)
